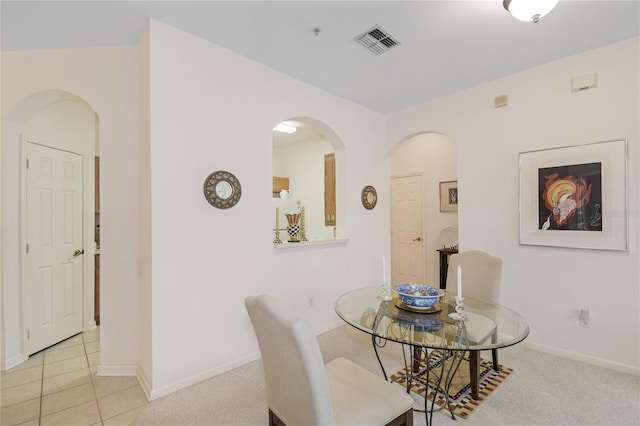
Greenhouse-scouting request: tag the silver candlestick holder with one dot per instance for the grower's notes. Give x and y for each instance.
(303, 230)
(459, 314)
(385, 291)
(277, 239)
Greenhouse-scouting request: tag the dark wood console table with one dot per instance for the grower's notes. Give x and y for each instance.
(444, 264)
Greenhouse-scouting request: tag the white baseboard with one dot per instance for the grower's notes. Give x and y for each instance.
(13, 361)
(117, 370)
(126, 370)
(166, 390)
(328, 327)
(153, 394)
(144, 384)
(628, 369)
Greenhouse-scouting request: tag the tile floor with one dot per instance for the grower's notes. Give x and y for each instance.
(59, 386)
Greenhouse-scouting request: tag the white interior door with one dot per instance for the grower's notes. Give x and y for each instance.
(53, 286)
(407, 259)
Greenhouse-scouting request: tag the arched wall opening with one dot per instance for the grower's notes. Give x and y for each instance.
(63, 121)
(300, 158)
(432, 158)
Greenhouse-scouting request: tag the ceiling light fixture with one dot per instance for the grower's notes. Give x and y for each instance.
(285, 128)
(529, 10)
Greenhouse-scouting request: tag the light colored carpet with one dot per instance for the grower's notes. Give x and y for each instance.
(543, 390)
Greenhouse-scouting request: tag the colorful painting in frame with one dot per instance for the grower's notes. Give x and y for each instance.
(575, 196)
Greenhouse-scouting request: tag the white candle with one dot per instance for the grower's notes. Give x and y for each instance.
(384, 270)
(459, 281)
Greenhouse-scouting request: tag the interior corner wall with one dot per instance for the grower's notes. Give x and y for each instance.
(106, 78)
(548, 285)
(2, 327)
(12, 349)
(145, 373)
(212, 109)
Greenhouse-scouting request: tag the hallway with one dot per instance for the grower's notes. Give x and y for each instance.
(59, 386)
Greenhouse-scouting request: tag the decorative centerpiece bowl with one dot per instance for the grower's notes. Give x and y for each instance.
(418, 296)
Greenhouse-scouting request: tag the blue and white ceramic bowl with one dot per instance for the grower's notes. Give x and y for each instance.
(418, 296)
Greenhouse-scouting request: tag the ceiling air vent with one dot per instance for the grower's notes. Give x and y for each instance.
(376, 40)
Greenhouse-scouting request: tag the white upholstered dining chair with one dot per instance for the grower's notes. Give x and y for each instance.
(481, 276)
(301, 390)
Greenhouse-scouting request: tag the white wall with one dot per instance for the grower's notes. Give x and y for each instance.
(106, 79)
(547, 285)
(212, 109)
(172, 297)
(434, 156)
(183, 268)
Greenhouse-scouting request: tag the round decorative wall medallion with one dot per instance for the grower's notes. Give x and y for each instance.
(369, 197)
(222, 189)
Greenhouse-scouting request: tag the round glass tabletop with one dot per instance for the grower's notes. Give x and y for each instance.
(488, 325)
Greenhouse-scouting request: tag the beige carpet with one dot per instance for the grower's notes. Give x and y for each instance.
(460, 401)
(543, 390)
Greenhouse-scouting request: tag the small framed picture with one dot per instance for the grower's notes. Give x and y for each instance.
(449, 196)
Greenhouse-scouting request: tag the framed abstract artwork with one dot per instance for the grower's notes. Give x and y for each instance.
(575, 196)
(449, 196)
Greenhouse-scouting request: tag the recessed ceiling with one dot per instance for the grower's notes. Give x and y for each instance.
(446, 46)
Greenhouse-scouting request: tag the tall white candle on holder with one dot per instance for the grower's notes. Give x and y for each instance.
(459, 281)
(384, 270)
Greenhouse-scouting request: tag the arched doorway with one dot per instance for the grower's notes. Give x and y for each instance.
(418, 165)
(62, 127)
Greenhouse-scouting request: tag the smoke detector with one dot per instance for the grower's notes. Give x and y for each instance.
(376, 40)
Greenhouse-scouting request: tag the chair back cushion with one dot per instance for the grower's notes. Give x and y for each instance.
(295, 378)
(481, 274)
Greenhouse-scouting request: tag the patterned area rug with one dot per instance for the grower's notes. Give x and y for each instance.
(460, 390)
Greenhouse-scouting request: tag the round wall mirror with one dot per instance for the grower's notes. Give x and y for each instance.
(222, 189)
(369, 197)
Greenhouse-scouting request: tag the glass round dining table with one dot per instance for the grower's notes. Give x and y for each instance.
(483, 325)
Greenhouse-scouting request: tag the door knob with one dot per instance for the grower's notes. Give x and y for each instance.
(78, 253)
(417, 239)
